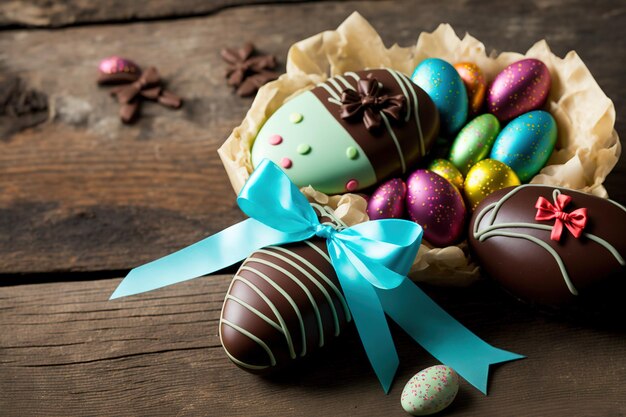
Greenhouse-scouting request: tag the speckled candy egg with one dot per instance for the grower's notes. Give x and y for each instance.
(475, 84)
(117, 70)
(447, 170)
(486, 177)
(430, 391)
(521, 87)
(444, 85)
(526, 143)
(328, 137)
(436, 205)
(474, 142)
(387, 202)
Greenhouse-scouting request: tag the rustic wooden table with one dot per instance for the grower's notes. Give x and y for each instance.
(84, 198)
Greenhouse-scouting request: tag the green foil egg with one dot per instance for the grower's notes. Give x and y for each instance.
(474, 142)
(526, 143)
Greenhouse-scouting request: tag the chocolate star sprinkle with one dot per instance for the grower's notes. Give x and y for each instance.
(248, 71)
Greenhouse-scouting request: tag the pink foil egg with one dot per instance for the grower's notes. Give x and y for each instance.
(117, 70)
(519, 88)
(436, 205)
(387, 202)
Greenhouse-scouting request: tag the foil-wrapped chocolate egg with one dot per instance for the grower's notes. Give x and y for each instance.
(445, 87)
(437, 205)
(475, 84)
(486, 177)
(519, 88)
(447, 170)
(387, 202)
(526, 143)
(474, 142)
(117, 70)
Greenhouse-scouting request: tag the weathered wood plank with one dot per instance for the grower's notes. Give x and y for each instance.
(66, 350)
(84, 193)
(43, 13)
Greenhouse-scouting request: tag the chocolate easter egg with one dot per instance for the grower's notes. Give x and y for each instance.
(526, 257)
(475, 84)
(284, 303)
(436, 205)
(474, 142)
(447, 170)
(117, 70)
(350, 132)
(387, 202)
(521, 87)
(486, 177)
(444, 85)
(526, 143)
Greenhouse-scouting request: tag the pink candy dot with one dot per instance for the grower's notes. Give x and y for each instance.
(275, 139)
(352, 185)
(286, 163)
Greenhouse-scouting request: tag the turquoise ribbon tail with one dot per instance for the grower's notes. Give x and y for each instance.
(441, 335)
(211, 254)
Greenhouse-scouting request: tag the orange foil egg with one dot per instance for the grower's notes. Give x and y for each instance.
(475, 84)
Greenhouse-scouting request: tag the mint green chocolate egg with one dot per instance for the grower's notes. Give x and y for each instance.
(430, 391)
(350, 132)
(474, 142)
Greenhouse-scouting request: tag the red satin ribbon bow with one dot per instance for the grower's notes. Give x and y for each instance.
(574, 221)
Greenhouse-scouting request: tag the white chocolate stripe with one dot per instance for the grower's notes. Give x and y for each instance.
(311, 278)
(329, 90)
(401, 84)
(256, 312)
(253, 337)
(304, 288)
(334, 101)
(239, 362)
(409, 84)
(353, 75)
(287, 297)
(395, 140)
(334, 83)
(279, 317)
(321, 252)
(345, 82)
(324, 277)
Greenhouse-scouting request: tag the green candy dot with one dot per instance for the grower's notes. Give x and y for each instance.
(303, 149)
(351, 152)
(295, 117)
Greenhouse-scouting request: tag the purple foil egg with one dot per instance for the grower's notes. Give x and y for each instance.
(117, 70)
(387, 202)
(436, 205)
(519, 88)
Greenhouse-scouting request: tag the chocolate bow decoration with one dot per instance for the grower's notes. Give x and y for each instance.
(574, 221)
(149, 87)
(246, 72)
(368, 104)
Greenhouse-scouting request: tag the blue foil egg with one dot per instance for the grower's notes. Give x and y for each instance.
(526, 143)
(445, 87)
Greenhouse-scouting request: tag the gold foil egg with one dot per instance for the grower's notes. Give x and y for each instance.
(475, 84)
(447, 170)
(486, 177)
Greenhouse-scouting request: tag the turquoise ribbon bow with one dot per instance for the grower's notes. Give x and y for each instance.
(371, 260)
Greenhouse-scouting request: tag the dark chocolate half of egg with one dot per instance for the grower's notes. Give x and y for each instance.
(516, 250)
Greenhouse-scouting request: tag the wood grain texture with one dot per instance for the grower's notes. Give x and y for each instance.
(84, 193)
(45, 13)
(66, 350)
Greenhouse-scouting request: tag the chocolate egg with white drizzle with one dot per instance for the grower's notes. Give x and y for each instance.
(284, 303)
(551, 245)
(350, 132)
